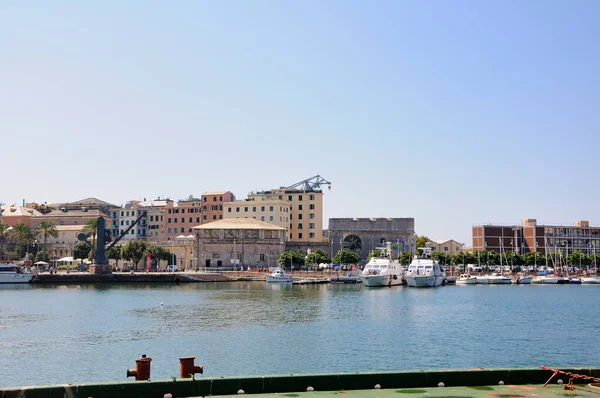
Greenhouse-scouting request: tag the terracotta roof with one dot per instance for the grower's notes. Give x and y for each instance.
(239, 223)
(14, 211)
(90, 201)
(215, 193)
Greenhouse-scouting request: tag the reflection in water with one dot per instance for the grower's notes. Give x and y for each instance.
(251, 328)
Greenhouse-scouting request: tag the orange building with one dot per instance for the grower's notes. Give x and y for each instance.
(212, 205)
(13, 215)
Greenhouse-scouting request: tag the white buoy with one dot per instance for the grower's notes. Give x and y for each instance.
(161, 303)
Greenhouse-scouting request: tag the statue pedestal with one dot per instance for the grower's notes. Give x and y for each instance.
(100, 269)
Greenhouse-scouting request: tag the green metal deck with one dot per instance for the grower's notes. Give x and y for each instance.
(501, 383)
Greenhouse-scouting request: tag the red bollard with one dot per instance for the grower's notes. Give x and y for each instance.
(187, 367)
(142, 368)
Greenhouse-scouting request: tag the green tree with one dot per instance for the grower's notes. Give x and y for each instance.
(46, 229)
(575, 258)
(90, 228)
(134, 250)
(406, 258)
(42, 255)
(420, 241)
(344, 257)
(3, 238)
(114, 253)
(317, 257)
(373, 253)
(529, 258)
(81, 251)
(158, 254)
(21, 235)
(291, 258)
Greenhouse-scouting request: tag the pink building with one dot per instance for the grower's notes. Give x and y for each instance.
(212, 205)
(13, 215)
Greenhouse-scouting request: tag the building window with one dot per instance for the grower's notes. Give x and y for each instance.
(311, 197)
(299, 207)
(271, 218)
(182, 220)
(191, 219)
(311, 216)
(205, 216)
(262, 257)
(299, 197)
(122, 222)
(214, 198)
(262, 208)
(169, 230)
(271, 208)
(123, 212)
(133, 213)
(300, 226)
(290, 198)
(204, 207)
(300, 235)
(245, 209)
(197, 219)
(175, 220)
(300, 216)
(229, 210)
(311, 206)
(291, 236)
(215, 217)
(220, 198)
(262, 218)
(190, 230)
(311, 235)
(445, 248)
(237, 209)
(311, 225)
(254, 209)
(168, 221)
(151, 218)
(174, 230)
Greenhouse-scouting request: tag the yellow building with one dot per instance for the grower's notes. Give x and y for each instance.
(305, 201)
(449, 246)
(275, 211)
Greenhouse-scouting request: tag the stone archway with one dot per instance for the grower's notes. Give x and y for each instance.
(353, 243)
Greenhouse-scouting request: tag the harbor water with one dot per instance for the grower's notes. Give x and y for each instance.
(93, 333)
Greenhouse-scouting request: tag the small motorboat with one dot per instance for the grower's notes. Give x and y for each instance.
(524, 280)
(590, 280)
(466, 279)
(574, 281)
(278, 275)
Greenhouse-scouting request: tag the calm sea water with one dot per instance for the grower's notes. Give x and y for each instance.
(72, 334)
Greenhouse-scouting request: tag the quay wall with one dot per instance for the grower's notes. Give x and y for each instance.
(294, 383)
(128, 278)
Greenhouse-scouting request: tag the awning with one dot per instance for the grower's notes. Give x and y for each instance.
(41, 263)
(70, 259)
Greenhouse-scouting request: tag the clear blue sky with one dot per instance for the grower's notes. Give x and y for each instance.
(451, 112)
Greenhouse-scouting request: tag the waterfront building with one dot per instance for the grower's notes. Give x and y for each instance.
(361, 235)
(446, 246)
(62, 245)
(77, 213)
(156, 211)
(305, 201)
(531, 237)
(13, 215)
(212, 205)
(181, 219)
(273, 211)
(235, 242)
(128, 216)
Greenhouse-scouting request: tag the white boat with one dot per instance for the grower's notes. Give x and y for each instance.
(482, 280)
(278, 275)
(382, 270)
(546, 280)
(524, 280)
(466, 279)
(425, 272)
(497, 279)
(13, 273)
(590, 280)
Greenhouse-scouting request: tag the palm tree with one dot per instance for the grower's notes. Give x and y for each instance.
(46, 229)
(20, 235)
(3, 232)
(91, 229)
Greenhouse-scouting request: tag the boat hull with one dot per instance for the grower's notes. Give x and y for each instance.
(470, 281)
(524, 281)
(483, 280)
(10, 278)
(380, 280)
(424, 281)
(590, 281)
(272, 279)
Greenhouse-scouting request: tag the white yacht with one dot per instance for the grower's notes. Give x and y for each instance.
(590, 280)
(382, 270)
(483, 279)
(466, 279)
(545, 280)
(498, 279)
(523, 279)
(425, 272)
(13, 273)
(278, 275)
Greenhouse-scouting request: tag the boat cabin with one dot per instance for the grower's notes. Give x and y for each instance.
(10, 268)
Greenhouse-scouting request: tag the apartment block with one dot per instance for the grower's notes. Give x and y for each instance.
(275, 212)
(530, 237)
(181, 219)
(212, 205)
